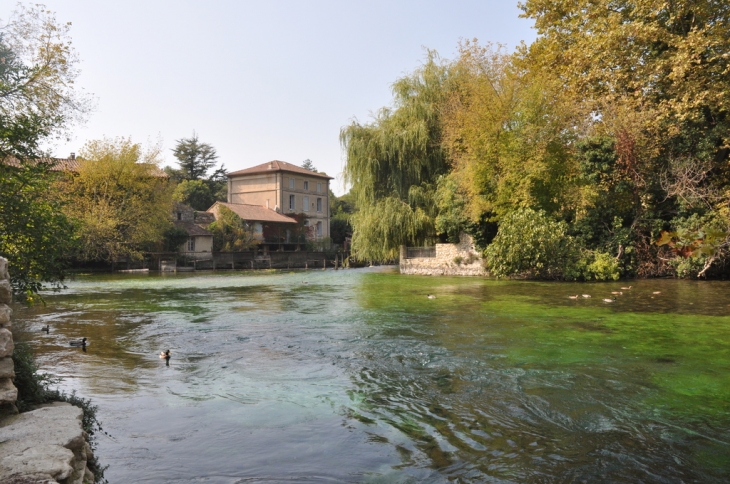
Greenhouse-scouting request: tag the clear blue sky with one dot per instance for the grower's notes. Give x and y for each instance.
(260, 80)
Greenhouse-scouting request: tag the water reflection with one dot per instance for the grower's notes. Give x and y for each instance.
(358, 376)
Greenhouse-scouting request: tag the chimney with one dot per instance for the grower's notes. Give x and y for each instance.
(72, 156)
(271, 166)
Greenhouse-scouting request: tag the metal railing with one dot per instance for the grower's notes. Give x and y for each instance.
(420, 252)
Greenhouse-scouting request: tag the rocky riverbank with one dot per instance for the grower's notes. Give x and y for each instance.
(47, 444)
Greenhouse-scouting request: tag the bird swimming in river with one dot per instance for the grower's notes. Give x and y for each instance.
(586, 295)
(165, 354)
(657, 292)
(77, 342)
(46, 328)
(619, 293)
(613, 299)
(626, 288)
(573, 297)
(431, 296)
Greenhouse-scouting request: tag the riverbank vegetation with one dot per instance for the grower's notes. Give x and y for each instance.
(111, 203)
(118, 199)
(599, 151)
(38, 103)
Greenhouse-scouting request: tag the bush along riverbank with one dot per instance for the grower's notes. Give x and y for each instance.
(45, 434)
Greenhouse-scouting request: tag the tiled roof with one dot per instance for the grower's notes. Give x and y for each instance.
(255, 213)
(66, 164)
(192, 229)
(204, 218)
(73, 164)
(277, 165)
(57, 164)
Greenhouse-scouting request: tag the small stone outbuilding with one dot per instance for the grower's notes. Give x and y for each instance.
(462, 259)
(199, 245)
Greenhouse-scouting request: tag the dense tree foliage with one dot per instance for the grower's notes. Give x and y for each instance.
(38, 70)
(614, 124)
(35, 235)
(195, 193)
(309, 165)
(508, 135)
(230, 232)
(201, 184)
(393, 162)
(195, 158)
(38, 102)
(173, 238)
(120, 200)
(341, 209)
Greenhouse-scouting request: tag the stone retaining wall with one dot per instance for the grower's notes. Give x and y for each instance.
(45, 445)
(8, 392)
(460, 259)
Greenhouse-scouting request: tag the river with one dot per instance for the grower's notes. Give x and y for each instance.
(359, 376)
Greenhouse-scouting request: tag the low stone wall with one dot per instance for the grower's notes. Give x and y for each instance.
(460, 259)
(272, 259)
(45, 445)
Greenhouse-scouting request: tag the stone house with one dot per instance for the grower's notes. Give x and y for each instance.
(285, 189)
(200, 242)
(462, 259)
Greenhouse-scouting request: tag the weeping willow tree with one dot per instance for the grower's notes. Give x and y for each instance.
(392, 164)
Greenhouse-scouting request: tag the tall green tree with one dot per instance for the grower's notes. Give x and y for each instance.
(119, 200)
(508, 133)
(196, 160)
(393, 161)
(653, 78)
(309, 165)
(38, 102)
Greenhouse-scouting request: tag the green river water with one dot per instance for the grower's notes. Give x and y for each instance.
(357, 376)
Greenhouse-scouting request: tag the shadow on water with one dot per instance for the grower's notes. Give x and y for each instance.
(279, 376)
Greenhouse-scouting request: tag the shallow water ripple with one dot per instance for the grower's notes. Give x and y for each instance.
(356, 376)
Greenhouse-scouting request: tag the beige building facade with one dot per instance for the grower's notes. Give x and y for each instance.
(286, 189)
(199, 245)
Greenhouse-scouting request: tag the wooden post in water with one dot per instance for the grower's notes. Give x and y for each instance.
(324, 264)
